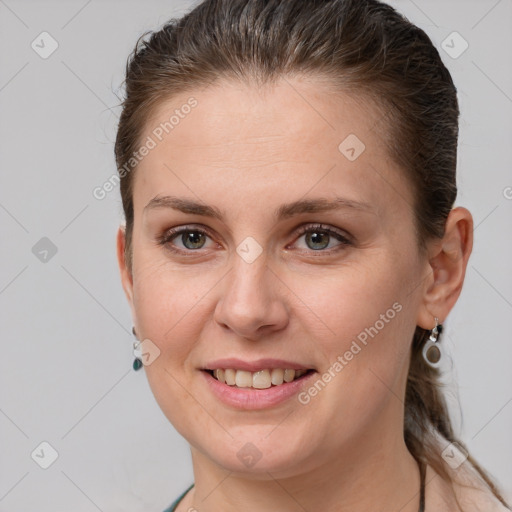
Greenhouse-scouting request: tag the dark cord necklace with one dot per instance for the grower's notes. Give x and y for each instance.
(422, 487)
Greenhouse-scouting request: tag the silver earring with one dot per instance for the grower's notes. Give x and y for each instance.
(137, 362)
(432, 351)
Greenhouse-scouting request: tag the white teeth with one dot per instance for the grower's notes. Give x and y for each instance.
(262, 379)
(243, 379)
(277, 376)
(230, 375)
(289, 375)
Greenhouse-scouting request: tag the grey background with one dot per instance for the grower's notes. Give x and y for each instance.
(66, 373)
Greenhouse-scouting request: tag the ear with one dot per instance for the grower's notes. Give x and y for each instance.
(126, 275)
(447, 261)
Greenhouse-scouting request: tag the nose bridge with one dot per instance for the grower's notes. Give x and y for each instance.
(250, 297)
(249, 258)
(248, 291)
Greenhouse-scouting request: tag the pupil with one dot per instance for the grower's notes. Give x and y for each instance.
(194, 237)
(316, 236)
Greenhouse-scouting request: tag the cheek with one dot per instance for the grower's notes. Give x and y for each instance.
(167, 305)
(168, 302)
(159, 296)
(371, 320)
(349, 300)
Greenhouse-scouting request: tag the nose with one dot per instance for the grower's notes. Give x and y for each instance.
(253, 303)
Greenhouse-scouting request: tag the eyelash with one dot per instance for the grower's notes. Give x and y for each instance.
(170, 234)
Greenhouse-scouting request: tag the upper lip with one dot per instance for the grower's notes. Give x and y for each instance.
(254, 366)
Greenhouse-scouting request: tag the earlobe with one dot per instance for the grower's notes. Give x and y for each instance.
(448, 259)
(126, 275)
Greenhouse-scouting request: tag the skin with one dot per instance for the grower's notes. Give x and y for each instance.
(246, 151)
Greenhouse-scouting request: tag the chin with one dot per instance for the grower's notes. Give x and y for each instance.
(255, 457)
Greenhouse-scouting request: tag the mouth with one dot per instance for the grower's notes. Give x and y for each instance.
(261, 379)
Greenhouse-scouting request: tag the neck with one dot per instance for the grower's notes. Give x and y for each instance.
(375, 472)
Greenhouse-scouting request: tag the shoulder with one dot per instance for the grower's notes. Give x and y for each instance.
(473, 493)
(467, 493)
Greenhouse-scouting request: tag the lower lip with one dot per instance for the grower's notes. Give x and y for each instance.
(250, 398)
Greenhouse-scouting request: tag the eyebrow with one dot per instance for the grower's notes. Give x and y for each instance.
(284, 211)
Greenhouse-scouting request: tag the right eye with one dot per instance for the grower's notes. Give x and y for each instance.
(192, 239)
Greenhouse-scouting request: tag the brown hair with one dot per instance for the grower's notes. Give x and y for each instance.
(361, 46)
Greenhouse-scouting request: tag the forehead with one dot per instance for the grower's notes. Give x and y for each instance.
(291, 110)
(294, 136)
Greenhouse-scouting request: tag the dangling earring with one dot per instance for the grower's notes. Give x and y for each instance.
(137, 362)
(432, 351)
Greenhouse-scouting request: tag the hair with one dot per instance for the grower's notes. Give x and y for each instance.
(363, 47)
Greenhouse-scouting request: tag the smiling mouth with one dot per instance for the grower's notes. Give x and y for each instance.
(262, 379)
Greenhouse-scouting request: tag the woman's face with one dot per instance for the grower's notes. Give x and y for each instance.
(245, 288)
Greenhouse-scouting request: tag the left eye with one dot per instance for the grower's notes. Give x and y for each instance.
(317, 238)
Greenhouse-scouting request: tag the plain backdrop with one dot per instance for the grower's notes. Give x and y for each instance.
(66, 376)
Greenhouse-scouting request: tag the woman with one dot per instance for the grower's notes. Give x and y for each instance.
(291, 251)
